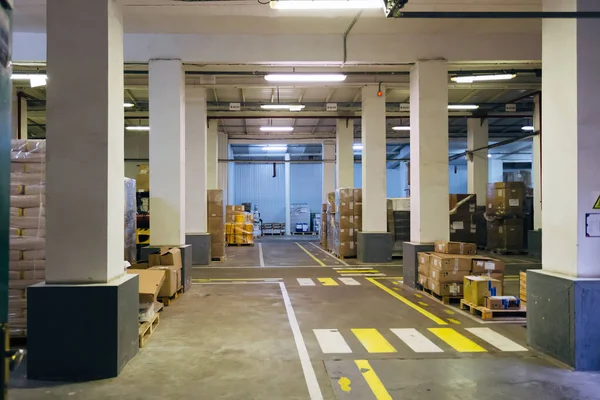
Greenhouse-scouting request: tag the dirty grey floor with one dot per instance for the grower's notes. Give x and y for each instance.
(232, 337)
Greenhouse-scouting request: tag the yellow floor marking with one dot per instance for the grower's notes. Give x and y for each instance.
(373, 380)
(373, 341)
(409, 303)
(423, 304)
(449, 312)
(457, 341)
(321, 263)
(345, 384)
(328, 282)
(418, 295)
(396, 288)
(454, 321)
(357, 271)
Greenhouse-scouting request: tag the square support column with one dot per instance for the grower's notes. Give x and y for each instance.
(213, 154)
(223, 167)
(429, 212)
(563, 297)
(477, 165)
(85, 209)
(344, 163)
(167, 153)
(328, 168)
(534, 238)
(374, 242)
(196, 175)
(288, 195)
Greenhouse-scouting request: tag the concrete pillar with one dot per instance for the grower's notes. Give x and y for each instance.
(344, 162)
(85, 275)
(374, 242)
(288, 195)
(213, 154)
(19, 117)
(429, 186)
(196, 175)
(537, 164)
(568, 286)
(477, 165)
(223, 167)
(328, 168)
(167, 152)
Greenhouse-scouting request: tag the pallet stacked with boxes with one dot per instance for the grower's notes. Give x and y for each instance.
(463, 227)
(504, 214)
(27, 264)
(216, 225)
(399, 218)
(330, 221)
(357, 214)
(324, 230)
(239, 226)
(344, 239)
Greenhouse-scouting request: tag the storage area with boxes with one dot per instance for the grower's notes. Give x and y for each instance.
(505, 217)
(239, 226)
(344, 220)
(216, 224)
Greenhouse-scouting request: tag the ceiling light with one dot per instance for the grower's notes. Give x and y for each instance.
(325, 4)
(24, 77)
(462, 107)
(128, 105)
(137, 128)
(474, 78)
(357, 146)
(528, 128)
(401, 128)
(306, 77)
(289, 107)
(275, 147)
(37, 80)
(489, 156)
(276, 128)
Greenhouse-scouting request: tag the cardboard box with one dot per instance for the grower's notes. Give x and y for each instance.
(165, 256)
(423, 257)
(358, 222)
(346, 235)
(357, 209)
(217, 250)
(214, 196)
(506, 198)
(477, 288)
(462, 204)
(346, 221)
(324, 208)
(139, 266)
(503, 303)
(506, 234)
(495, 275)
(447, 276)
(423, 261)
(229, 209)
(423, 280)
(447, 247)
(450, 262)
(463, 228)
(142, 179)
(216, 224)
(446, 289)
(150, 282)
(172, 281)
(484, 265)
(358, 196)
(239, 208)
(215, 209)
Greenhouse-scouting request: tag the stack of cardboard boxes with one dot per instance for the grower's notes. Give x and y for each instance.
(357, 214)
(463, 227)
(505, 216)
(398, 218)
(216, 225)
(324, 224)
(343, 221)
(523, 286)
(239, 226)
(331, 221)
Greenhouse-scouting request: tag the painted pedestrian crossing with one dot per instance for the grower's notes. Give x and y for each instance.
(343, 281)
(358, 271)
(432, 340)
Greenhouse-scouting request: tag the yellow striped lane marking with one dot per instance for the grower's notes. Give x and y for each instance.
(357, 271)
(421, 303)
(409, 303)
(418, 295)
(321, 263)
(373, 341)
(457, 341)
(328, 281)
(454, 321)
(373, 380)
(449, 312)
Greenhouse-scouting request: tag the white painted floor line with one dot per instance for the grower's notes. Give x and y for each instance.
(329, 254)
(495, 339)
(314, 390)
(305, 282)
(332, 341)
(258, 266)
(349, 281)
(368, 275)
(416, 341)
(352, 268)
(260, 255)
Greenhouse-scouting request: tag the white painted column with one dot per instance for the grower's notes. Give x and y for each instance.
(429, 218)
(195, 160)
(213, 154)
(19, 117)
(328, 168)
(85, 150)
(571, 122)
(344, 162)
(477, 166)
(222, 167)
(288, 195)
(374, 154)
(537, 164)
(167, 152)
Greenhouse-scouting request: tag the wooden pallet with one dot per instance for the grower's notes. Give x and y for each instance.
(167, 300)
(340, 257)
(146, 329)
(441, 299)
(305, 233)
(488, 314)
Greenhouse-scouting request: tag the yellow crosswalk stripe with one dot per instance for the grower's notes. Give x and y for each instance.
(357, 271)
(373, 380)
(328, 282)
(373, 341)
(457, 341)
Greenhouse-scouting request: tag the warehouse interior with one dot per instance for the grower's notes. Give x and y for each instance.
(324, 199)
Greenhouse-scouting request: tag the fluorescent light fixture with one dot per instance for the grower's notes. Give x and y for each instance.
(37, 81)
(401, 128)
(306, 77)
(462, 107)
(489, 155)
(276, 128)
(528, 128)
(128, 105)
(137, 128)
(289, 107)
(275, 147)
(478, 78)
(325, 4)
(24, 77)
(357, 146)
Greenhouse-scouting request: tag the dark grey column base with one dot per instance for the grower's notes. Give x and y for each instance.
(82, 332)
(563, 319)
(186, 260)
(534, 242)
(410, 262)
(200, 243)
(374, 247)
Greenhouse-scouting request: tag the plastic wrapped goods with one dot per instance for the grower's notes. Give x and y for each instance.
(130, 221)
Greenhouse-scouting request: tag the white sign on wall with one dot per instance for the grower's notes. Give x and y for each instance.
(331, 107)
(235, 107)
(510, 107)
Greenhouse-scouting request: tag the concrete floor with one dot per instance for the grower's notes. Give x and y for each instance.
(247, 330)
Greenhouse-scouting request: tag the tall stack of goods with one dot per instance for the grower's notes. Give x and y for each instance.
(331, 221)
(299, 218)
(399, 218)
(130, 221)
(463, 227)
(504, 214)
(323, 233)
(239, 226)
(27, 227)
(216, 225)
(357, 214)
(344, 223)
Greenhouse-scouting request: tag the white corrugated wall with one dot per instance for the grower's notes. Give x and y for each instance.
(254, 183)
(306, 184)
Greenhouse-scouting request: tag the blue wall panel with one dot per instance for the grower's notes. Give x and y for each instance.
(254, 183)
(458, 180)
(396, 180)
(306, 185)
